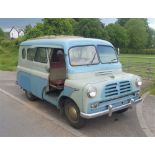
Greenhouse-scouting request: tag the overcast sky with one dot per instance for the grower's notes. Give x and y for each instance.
(7, 23)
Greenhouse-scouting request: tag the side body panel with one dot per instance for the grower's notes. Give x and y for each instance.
(32, 76)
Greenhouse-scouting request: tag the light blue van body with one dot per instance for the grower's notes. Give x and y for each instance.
(116, 89)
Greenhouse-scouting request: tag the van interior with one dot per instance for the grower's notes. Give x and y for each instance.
(57, 70)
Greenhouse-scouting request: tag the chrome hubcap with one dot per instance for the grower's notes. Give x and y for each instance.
(72, 113)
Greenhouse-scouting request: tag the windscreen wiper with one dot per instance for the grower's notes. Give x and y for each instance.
(113, 60)
(91, 62)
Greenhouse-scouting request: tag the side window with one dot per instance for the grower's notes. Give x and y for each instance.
(41, 55)
(23, 53)
(31, 53)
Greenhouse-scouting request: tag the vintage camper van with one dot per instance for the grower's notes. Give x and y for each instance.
(80, 76)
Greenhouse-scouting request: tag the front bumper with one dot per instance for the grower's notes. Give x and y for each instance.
(110, 109)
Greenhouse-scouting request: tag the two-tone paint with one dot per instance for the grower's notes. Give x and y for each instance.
(33, 77)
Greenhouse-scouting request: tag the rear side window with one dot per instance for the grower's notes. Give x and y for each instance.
(41, 55)
(23, 53)
(31, 53)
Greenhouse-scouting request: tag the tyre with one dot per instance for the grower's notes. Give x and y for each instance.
(122, 111)
(30, 96)
(72, 113)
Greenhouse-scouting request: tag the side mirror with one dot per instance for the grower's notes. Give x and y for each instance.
(118, 51)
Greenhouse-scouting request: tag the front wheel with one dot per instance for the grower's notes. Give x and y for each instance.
(72, 113)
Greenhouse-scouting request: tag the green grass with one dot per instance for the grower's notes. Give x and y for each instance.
(140, 65)
(152, 90)
(143, 65)
(8, 58)
(126, 59)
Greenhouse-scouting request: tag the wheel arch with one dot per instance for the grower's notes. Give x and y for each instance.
(61, 102)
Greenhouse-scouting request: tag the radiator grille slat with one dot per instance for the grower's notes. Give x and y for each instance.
(119, 88)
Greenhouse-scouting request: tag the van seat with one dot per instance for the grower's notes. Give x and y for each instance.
(57, 70)
(58, 84)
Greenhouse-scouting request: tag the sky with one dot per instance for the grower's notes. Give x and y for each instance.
(7, 23)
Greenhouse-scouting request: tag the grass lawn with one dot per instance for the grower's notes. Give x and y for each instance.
(127, 59)
(136, 57)
(152, 90)
(143, 65)
(8, 58)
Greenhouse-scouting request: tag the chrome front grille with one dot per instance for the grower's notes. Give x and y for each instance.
(124, 86)
(111, 90)
(117, 88)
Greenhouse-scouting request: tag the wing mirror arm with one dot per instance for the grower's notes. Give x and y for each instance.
(118, 51)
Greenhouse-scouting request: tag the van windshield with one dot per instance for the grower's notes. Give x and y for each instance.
(83, 55)
(107, 54)
(87, 55)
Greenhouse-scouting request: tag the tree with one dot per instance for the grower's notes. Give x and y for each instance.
(122, 21)
(35, 31)
(27, 28)
(1, 33)
(105, 35)
(117, 35)
(58, 26)
(88, 27)
(151, 38)
(137, 31)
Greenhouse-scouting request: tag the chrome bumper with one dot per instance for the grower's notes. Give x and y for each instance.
(110, 109)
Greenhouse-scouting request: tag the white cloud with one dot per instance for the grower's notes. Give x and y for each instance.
(107, 21)
(151, 22)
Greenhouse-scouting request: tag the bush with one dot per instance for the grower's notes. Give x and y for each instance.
(8, 57)
(17, 41)
(1, 39)
(137, 51)
(6, 43)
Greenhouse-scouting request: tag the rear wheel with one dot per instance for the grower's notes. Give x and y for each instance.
(30, 96)
(72, 113)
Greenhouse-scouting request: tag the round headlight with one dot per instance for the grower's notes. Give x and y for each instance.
(91, 92)
(138, 82)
